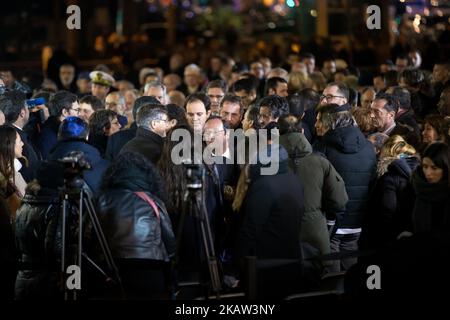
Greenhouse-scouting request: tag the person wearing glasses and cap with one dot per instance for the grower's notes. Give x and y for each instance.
(101, 83)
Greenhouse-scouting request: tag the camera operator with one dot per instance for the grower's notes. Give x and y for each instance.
(36, 235)
(138, 228)
(72, 136)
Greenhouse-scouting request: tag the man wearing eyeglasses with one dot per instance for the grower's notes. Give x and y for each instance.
(64, 104)
(336, 93)
(152, 123)
(156, 89)
(115, 101)
(216, 137)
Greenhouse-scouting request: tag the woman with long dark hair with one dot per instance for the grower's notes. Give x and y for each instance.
(435, 129)
(11, 181)
(190, 253)
(174, 174)
(175, 177)
(12, 189)
(102, 124)
(431, 182)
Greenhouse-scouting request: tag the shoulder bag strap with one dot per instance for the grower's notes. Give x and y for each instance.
(144, 196)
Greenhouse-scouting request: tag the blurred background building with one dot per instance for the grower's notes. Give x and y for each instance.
(129, 34)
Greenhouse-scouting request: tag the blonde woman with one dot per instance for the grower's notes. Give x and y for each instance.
(394, 148)
(393, 196)
(298, 81)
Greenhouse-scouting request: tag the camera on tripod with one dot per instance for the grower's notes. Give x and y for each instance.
(195, 201)
(77, 208)
(194, 175)
(74, 165)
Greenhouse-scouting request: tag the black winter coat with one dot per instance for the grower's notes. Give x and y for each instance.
(392, 203)
(118, 140)
(409, 119)
(147, 143)
(431, 214)
(353, 157)
(48, 136)
(272, 213)
(92, 177)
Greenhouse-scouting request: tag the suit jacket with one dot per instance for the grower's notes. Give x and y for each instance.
(33, 157)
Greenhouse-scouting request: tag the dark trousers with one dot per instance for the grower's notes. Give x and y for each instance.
(343, 242)
(143, 279)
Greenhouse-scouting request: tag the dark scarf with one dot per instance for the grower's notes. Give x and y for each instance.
(432, 207)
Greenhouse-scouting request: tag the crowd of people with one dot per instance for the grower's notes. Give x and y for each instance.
(358, 168)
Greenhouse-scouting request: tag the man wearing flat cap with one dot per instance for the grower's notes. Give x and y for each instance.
(101, 82)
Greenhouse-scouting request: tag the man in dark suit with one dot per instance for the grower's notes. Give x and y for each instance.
(63, 104)
(12, 103)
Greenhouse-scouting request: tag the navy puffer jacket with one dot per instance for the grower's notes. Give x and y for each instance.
(353, 157)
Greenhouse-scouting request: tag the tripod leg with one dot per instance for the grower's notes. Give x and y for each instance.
(102, 240)
(63, 245)
(209, 245)
(80, 235)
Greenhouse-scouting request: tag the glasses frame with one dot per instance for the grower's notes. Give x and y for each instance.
(329, 97)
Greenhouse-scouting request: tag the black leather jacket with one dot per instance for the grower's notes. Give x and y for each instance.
(38, 242)
(37, 228)
(131, 227)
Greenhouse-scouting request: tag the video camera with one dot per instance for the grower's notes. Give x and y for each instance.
(74, 165)
(194, 175)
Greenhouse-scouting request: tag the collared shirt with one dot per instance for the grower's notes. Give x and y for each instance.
(389, 130)
(226, 154)
(17, 127)
(18, 179)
